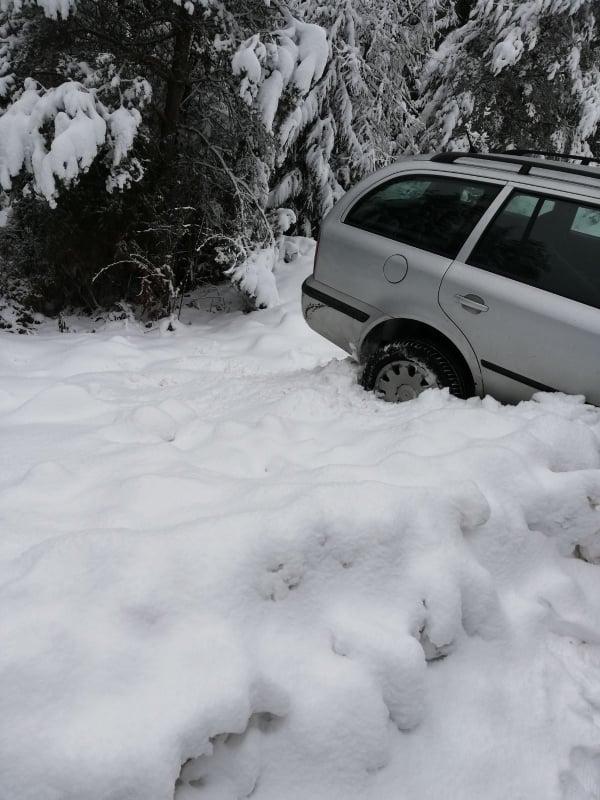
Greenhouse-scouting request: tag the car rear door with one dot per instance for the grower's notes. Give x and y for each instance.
(526, 294)
(395, 242)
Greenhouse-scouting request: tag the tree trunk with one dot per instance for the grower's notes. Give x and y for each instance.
(176, 83)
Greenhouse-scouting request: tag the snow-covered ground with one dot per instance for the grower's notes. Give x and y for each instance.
(217, 551)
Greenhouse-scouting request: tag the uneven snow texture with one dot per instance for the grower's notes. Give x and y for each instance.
(219, 552)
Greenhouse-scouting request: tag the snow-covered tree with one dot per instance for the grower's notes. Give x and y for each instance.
(53, 134)
(517, 73)
(101, 95)
(396, 39)
(336, 86)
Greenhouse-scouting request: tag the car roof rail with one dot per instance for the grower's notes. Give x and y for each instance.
(585, 160)
(515, 157)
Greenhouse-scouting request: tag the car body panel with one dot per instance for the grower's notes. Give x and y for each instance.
(335, 315)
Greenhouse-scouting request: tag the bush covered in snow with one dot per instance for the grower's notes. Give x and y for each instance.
(120, 182)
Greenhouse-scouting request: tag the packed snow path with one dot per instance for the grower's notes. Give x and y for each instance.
(225, 570)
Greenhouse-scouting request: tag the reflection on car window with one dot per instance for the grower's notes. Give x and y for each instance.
(587, 220)
(403, 190)
(521, 204)
(432, 213)
(549, 243)
(547, 206)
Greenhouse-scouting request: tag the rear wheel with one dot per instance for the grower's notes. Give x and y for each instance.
(403, 370)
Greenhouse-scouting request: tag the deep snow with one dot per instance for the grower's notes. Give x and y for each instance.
(218, 550)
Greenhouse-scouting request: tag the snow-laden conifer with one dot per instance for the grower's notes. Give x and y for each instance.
(336, 86)
(517, 73)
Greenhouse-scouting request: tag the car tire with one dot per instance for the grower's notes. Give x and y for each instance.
(403, 370)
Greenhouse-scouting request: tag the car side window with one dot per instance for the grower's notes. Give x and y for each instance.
(549, 243)
(433, 213)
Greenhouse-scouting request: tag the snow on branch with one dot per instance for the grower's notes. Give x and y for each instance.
(62, 8)
(54, 135)
(296, 60)
(51, 8)
(287, 79)
(254, 277)
(546, 47)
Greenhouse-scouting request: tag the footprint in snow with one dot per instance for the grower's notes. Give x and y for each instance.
(144, 425)
(281, 578)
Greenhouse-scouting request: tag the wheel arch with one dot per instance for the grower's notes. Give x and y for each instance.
(390, 330)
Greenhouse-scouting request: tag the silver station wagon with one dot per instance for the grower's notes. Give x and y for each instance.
(476, 272)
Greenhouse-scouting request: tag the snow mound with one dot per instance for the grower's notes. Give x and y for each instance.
(227, 571)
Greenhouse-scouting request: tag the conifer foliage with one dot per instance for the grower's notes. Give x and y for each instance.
(131, 166)
(337, 86)
(517, 73)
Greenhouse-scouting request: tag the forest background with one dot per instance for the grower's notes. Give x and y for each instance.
(150, 146)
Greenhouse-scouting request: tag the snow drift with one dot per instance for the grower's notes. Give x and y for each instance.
(227, 571)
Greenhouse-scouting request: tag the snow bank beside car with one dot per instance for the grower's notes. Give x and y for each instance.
(227, 571)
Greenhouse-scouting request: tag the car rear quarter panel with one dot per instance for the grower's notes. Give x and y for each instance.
(351, 260)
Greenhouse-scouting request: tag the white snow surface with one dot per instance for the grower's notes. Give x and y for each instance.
(217, 550)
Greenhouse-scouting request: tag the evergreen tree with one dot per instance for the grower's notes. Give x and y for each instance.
(517, 73)
(102, 96)
(349, 107)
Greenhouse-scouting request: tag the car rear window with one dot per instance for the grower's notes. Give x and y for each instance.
(429, 212)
